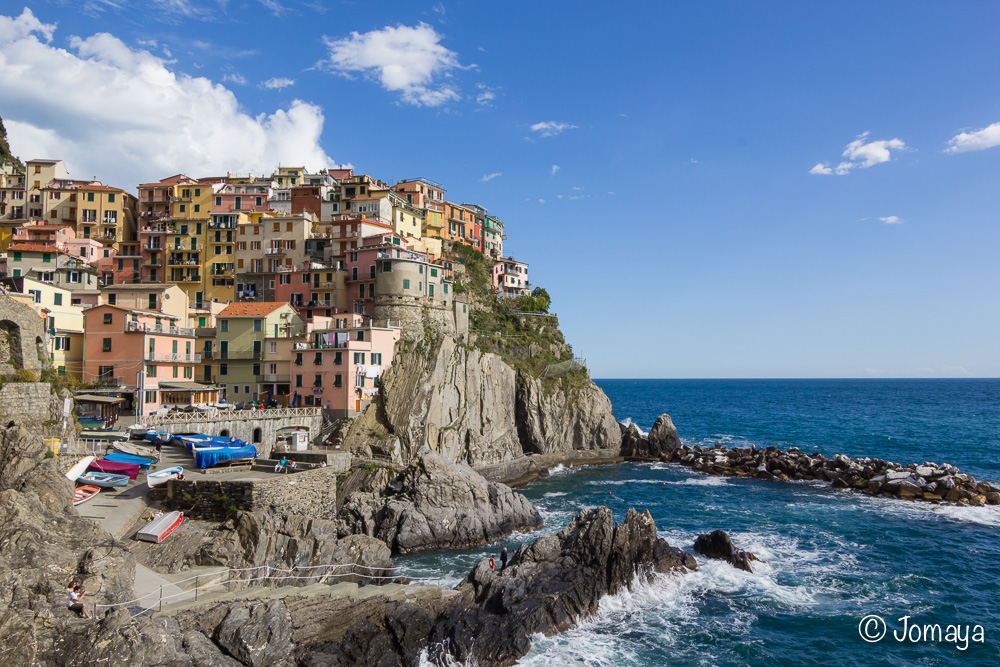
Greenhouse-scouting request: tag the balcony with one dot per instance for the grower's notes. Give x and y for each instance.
(172, 357)
(274, 251)
(110, 380)
(190, 279)
(272, 377)
(243, 355)
(158, 329)
(87, 220)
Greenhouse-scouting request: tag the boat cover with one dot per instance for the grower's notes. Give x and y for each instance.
(206, 458)
(118, 457)
(115, 467)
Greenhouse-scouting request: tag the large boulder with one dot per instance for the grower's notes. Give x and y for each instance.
(553, 418)
(634, 443)
(717, 544)
(434, 504)
(663, 437)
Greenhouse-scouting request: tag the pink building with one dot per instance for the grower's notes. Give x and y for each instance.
(510, 277)
(362, 269)
(341, 368)
(147, 355)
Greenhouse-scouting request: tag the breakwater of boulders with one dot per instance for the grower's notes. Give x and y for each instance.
(926, 481)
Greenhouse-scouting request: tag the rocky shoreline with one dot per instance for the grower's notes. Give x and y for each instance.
(930, 482)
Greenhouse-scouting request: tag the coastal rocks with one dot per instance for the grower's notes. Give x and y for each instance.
(552, 417)
(717, 544)
(661, 443)
(257, 634)
(278, 543)
(926, 481)
(450, 399)
(548, 585)
(434, 504)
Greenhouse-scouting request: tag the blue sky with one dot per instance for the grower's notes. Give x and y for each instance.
(707, 190)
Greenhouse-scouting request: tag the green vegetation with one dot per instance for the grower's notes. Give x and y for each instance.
(5, 154)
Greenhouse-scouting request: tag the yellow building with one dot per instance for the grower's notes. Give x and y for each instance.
(97, 211)
(406, 220)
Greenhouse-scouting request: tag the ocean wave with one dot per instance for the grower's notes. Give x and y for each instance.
(700, 481)
(555, 494)
(628, 422)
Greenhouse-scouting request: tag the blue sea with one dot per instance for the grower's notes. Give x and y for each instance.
(831, 558)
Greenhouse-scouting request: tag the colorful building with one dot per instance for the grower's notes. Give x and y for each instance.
(510, 277)
(244, 332)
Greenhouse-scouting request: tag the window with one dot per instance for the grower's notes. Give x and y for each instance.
(150, 371)
(359, 380)
(17, 256)
(176, 372)
(430, 289)
(223, 369)
(90, 196)
(359, 358)
(111, 197)
(189, 372)
(197, 208)
(236, 389)
(318, 380)
(112, 299)
(446, 288)
(57, 299)
(183, 208)
(318, 360)
(201, 321)
(256, 369)
(197, 192)
(218, 201)
(421, 267)
(360, 336)
(272, 347)
(108, 318)
(387, 266)
(376, 358)
(337, 381)
(338, 358)
(434, 273)
(46, 257)
(298, 380)
(258, 325)
(152, 302)
(224, 325)
(106, 347)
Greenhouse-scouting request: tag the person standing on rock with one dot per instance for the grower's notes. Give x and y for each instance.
(503, 560)
(493, 564)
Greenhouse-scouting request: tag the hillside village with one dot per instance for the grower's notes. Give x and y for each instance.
(289, 289)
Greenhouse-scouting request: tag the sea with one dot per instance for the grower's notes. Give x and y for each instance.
(845, 580)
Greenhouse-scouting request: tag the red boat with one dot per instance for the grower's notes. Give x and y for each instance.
(115, 468)
(85, 493)
(159, 528)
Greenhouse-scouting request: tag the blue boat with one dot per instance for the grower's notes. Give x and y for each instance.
(140, 461)
(104, 480)
(207, 457)
(193, 442)
(157, 436)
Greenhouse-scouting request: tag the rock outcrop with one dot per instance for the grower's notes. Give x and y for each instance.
(553, 417)
(717, 544)
(661, 442)
(926, 481)
(550, 584)
(435, 504)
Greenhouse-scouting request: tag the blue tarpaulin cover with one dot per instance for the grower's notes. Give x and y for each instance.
(206, 458)
(140, 461)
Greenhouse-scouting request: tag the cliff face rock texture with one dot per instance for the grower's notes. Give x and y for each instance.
(553, 417)
(434, 504)
(468, 405)
(661, 442)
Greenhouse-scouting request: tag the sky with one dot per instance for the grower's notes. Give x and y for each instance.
(706, 190)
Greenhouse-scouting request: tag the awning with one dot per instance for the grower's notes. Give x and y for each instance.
(90, 398)
(188, 386)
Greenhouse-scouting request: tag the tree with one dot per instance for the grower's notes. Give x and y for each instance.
(542, 299)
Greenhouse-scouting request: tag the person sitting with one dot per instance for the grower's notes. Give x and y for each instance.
(282, 465)
(293, 465)
(76, 601)
(155, 515)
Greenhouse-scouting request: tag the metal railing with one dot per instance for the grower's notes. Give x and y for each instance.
(234, 415)
(170, 356)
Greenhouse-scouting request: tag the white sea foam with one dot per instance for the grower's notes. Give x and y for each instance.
(555, 494)
(700, 481)
(628, 422)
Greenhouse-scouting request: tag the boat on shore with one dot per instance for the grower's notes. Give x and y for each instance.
(105, 480)
(141, 461)
(206, 457)
(84, 493)
(134, 449)
(159, 528)
(161, 477)
(74, 473)
(101, 465)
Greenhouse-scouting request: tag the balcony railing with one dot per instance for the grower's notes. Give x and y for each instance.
(159, 329)
(271, 377)
(244, 355)
(111, 380)
(274, 251)
(173, 356)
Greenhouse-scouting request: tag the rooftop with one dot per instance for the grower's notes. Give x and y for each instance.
(251, 309)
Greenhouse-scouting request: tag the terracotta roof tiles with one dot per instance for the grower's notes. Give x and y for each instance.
(251, 309)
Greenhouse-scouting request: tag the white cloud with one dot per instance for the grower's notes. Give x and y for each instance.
(576, 187)
(490, 177)
(862, 154)
(405, 60)
(979, 140)
(891, 220)
(551, 128)
(541, 201)
(275, 7)
(125, 117)
(235, 77)
(277, 83)
(554, 170)
(486, 95)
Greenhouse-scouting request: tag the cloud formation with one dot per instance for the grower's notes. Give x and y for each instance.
(147, 120)
(486, 95)
(862, 154)
(554, 170)
(403, 59)
(277, 83)
(979, 140)
(490, 177)
(551, 128)
(891, 220)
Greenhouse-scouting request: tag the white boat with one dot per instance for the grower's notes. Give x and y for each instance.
(136, 431)
(159, 528)
(161, 477)
(80, 468)
(134, 449)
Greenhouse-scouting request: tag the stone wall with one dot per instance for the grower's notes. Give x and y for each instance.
(310, 493)
(29, 402)
(415, 314)
(22, 337)
(240, 427)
